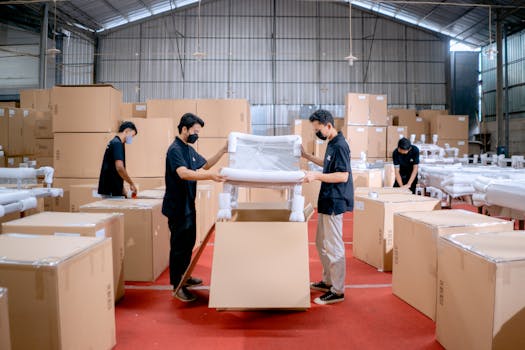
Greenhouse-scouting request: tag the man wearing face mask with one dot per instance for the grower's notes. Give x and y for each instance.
(336, 197)
(182, 163)
(113, 172)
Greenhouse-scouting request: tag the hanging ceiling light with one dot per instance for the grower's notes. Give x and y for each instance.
(350, 58)
(199, 54)
(53, 51)
(490, 51)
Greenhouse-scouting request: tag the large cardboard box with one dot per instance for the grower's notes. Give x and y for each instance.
(43, 125)
(79, 155)
(44, 161)
(461, 145)
(28, 131)
(86, 108)
(146, 155)
(132, 110)
(267, 195)
(393, 134)
(44, 147)
(357, 136)
(450, 126)
(311, 193)
(281, 259)
(38, 99)
(365, 191)
(401, 114)
(374, 224)
(407, 117)
(79, 224)
(357, 109)
(389, 174)
(208, 147)
(5, 333)
(320, 148)
(376, 142)
(304, 128)
(481, 278)
(60, 291)
(378, 109)
(414, 274)
(4, 128)
(147, 237)
(367, 178)
(428, 114)
(206, 207)
(82, 194)
(224, 116)
(15, 124)
(170, 108)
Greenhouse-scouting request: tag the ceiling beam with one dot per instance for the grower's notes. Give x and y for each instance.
(429, 13)
(457, 19)
(85, 15)
(145, 6)
(116, 10)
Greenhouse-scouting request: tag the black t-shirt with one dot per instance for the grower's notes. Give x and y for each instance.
(336, 198)
(179, 199)
(406, 162)
(110, 183)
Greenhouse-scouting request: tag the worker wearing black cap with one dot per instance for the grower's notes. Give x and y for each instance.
(406, 160)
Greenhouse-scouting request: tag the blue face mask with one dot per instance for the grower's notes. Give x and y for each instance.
(129, 139)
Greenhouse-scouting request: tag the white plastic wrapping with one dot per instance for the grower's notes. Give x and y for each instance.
(262, 176)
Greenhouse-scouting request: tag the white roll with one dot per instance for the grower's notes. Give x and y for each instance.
(28, 203)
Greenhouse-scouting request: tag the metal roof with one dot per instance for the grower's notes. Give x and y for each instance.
(462, 20)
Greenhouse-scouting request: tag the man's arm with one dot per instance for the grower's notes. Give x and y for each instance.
(213, 160)
(398, 176)
(187, 174)
(311, 158)
(413, 175)
(337, 177)
(121, 170)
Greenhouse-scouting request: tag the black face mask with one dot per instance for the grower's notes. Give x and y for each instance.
(321, 136)
(193, 138)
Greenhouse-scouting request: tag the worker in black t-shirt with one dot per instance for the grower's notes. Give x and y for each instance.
(406, 160)
(182, 163)
(336, 197)
(113, 172)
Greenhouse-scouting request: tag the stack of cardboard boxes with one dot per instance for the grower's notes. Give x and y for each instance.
(17, 135)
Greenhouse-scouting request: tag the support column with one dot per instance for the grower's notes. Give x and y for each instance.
(43, 46)
(499, 82)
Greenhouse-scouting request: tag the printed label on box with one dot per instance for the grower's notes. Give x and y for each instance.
(461, 143)
(11, 112)
(461, 119)
(26, 112)
(140, 108)
(359, 205)
(419, 119)
(379, 129)
(360, 129)
(297, 121)
(362, 97)
(380, 98)
(2, 113)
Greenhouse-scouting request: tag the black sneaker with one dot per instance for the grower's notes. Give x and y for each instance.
(192, 282)
(320, 286)
(183, 294)
(329, 298)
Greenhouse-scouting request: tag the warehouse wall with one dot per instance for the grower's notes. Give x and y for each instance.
(285, 57)
(77, 60)
(516, 74)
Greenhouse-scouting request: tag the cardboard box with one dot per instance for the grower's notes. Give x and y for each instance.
(146, 155)
(132, 110)
(79, 224)
(407, 117)
(82, 194)
(357, 136)
(147, 236)
(5, 333)
(320, 148)
(428, 114)
(481, 278)
(44, 147)
(365, 191)
(389, 174)
(267, 195)
(9, 104)
(304, 128)
(208, 147)
(367, 177)
(28, 131)
(4, 128)
(60, 291)
(15, 124)
(38, 99)
(357, 109)
(79, 155)
(339, 125)
(461, 145)
(393, 134)
(224, 116)
(376, 142)
(170, 108)
(43, 125)
(374, 225)
(311, 193)
(281, 258)
(86, 108)
(414, 275)
(450, 126)
(44, 161)
(206, 206)
(378, 109)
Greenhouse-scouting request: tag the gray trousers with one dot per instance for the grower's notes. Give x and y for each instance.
(331, 249)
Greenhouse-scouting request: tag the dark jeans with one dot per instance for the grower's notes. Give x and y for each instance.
(183, 236)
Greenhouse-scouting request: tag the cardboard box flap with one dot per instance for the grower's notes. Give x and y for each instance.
(130, 204)
(36, 250)
(452, 218)
(497, 247)
(400, 197)
(64, 219)
(262, 212)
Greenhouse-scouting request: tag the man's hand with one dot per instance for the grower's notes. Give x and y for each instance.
(133, 188)
(217, 178)
(310, 176)
(406, 186)
(224, 149)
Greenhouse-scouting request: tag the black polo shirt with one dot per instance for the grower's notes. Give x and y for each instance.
(336, 198)
(110, 183)
(406, 162)
(179, 199)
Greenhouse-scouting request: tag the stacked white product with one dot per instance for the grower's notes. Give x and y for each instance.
(507, 193)
(262, 161)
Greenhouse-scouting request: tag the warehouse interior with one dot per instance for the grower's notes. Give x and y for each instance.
(448, 75)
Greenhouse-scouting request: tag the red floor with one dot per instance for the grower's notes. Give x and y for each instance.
(369, 318)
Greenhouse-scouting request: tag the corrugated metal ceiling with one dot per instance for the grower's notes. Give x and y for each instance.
(462, 20)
